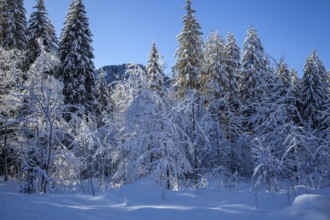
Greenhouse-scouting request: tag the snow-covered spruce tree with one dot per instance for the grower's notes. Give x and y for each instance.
(284, 74)
(255, 65)
(213, 80)
(288, 92)
(103, 94)
(186, 71)
(294, 77)
(232, 65)
(296, 85)
(40, 27)
(315, 92)
(189, 55)
(13, 25)
(229, 104)
(214, 120)
(259, 88)
(76, 54)
(155, 74)
(256, 81)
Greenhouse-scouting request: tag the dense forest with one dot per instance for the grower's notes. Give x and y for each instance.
(227, 113)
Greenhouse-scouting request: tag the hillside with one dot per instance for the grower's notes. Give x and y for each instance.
(117, 72)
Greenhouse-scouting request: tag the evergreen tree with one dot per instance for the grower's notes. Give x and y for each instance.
(294, 77)
(189, 55)
(103, 94)
(76, 54)
(39, 26)
(288, 91)
(296, 85)
(189, 61)
(255, 66)
(13, 25)
(256, 82)
(53, 37)
(155, 75)
(229, 104)
(284, 74)
(315, 92)
(213, 80)
(232, 65)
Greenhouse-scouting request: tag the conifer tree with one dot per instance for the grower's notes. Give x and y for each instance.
(187, 69)
(213, 80)
(284, 73)
(232, 103)
(155, 75)
(40, 27)
(255, 65)
(13, 25)
(315, 91)
(288, 91)
(103, 94)
(76, 54)
(294, 77)
(52, 34)
(189, 55)
(232, 65)
(256, 82)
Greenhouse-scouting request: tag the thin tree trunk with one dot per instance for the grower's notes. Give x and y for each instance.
(194, 144)
(5, 152)
(49, 153)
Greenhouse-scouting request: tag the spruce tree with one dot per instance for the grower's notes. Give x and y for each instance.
(104, 95)
(155, 73)
(232, 65)
(13, 25)
(315, 91)
(76, 55)
(284, 74)
(255, 66)
(189, 55)
(213, 80)
(186, 70)
(40, 27)
(53, 37)
(294, 78)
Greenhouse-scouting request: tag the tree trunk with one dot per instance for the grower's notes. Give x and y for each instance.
(5, 155)
(194, 144)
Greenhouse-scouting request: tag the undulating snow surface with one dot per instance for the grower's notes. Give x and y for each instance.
(143, 200)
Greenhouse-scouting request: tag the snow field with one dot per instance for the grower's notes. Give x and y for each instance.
(144, 200)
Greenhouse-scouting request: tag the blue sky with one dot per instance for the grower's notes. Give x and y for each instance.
(125, 29)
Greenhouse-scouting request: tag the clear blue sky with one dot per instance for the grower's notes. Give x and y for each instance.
(124, 29)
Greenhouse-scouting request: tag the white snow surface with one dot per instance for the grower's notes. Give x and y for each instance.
(143, 200)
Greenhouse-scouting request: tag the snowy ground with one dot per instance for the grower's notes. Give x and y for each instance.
(143, 201)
